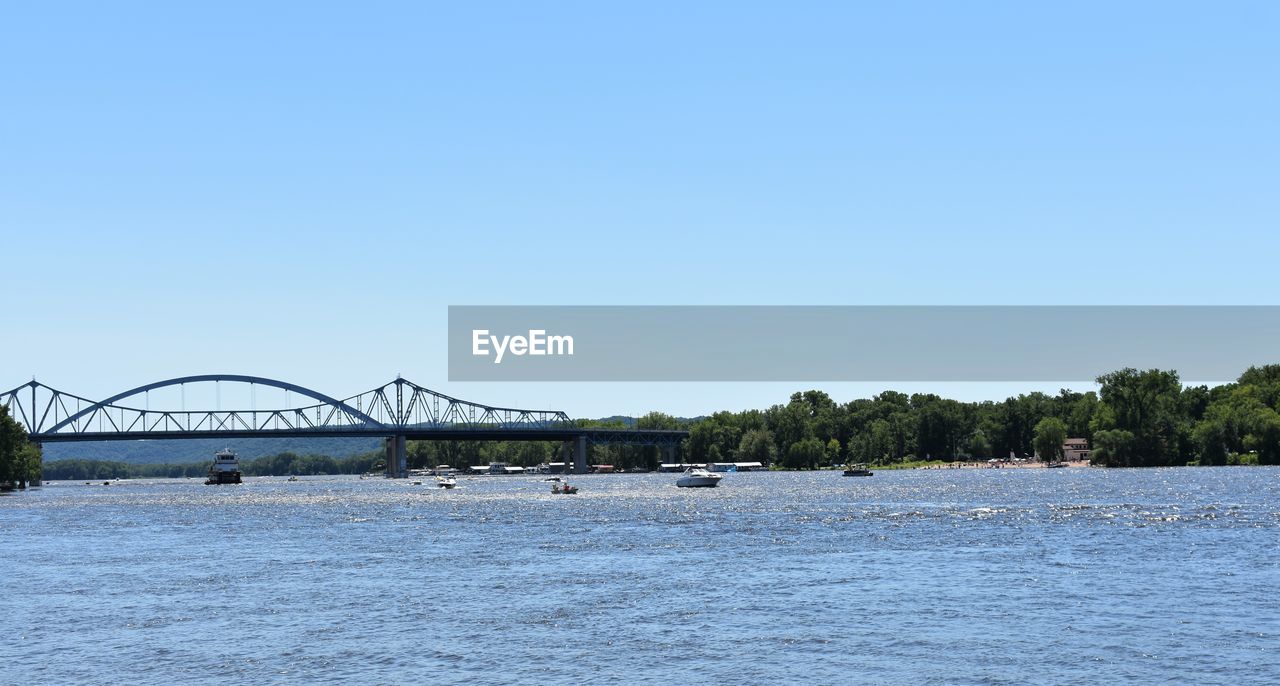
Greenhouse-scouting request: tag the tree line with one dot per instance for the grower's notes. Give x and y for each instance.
(282, 464)
(1136, 419)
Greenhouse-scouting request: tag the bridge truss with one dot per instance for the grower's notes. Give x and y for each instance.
(398, 410)
(50, 414)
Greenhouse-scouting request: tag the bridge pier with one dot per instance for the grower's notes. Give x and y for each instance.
(397, 457)
(580, 455)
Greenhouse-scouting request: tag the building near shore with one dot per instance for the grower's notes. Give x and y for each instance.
(1075, 450)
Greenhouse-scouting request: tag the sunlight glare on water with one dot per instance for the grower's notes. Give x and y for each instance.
(931, 576)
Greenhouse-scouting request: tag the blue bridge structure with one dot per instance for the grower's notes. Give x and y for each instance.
(397, 411)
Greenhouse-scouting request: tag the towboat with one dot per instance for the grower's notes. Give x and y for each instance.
(697, 477)
(225, 469)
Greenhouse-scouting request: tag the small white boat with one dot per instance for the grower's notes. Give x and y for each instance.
(446, 482)
(697, 477)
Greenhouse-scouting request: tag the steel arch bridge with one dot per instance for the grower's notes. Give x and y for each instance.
(398, 411)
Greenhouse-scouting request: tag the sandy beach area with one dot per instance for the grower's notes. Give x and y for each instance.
(1029, 464)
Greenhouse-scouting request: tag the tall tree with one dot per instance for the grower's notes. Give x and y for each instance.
(1112, 448)
(978, 445)
(1051, 433)
(1145, 404)
(757, 446)
(19, 458)
(805, 454)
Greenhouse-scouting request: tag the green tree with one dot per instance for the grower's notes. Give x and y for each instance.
(790, 423)
(1112, 448)
(1147, 406)
(1238, 420)
(1267, 380)
(978, 444)
(720, 429)
(1210, 437)
(1051, 433)
(833, 452)
(805, 454)
(20, 459)
(1079, 413)
(757, 446)
(939, 425)
(657, 420)
(1264, 436)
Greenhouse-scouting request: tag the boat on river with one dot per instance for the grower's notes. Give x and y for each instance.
(697, 477)
(563, 489)
(224, 470)
(859, 469)
(446, 482)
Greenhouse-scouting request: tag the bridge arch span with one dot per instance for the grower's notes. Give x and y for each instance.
(201, 378)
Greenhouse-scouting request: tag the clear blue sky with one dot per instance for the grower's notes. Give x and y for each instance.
(300, 190)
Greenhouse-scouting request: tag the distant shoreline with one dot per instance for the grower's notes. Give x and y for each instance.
(982, 465)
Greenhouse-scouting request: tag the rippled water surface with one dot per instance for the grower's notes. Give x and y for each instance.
(941, 576)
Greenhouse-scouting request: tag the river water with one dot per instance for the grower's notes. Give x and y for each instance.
(1011, 576)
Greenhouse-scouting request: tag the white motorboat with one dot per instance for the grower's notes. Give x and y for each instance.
(697, 477)
(446, 481)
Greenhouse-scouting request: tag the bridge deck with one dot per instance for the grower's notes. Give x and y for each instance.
(594, 435)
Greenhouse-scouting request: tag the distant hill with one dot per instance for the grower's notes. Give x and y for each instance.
(202, 449)
(626, 421)
(631, 421)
